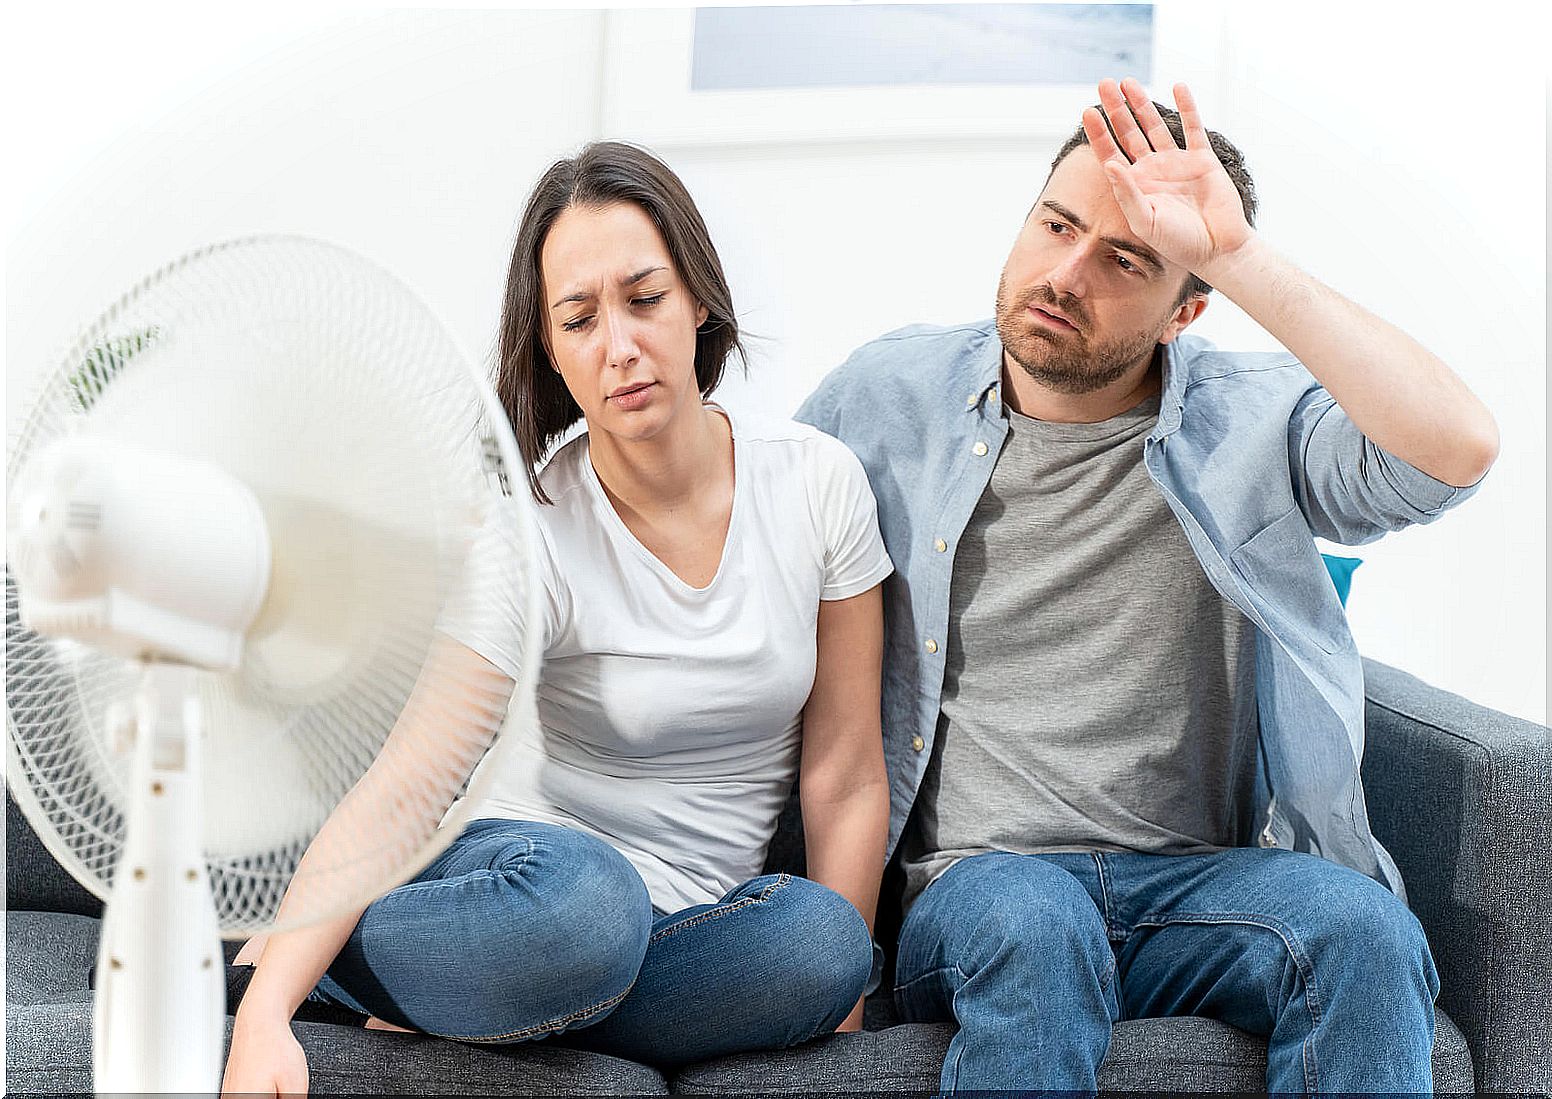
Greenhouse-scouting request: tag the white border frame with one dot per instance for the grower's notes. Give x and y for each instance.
(646, 95)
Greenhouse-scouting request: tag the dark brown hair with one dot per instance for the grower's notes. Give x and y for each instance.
(603, 173)
(1228, 154)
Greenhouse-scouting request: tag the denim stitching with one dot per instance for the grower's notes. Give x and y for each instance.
(782, 880)
(516, 863)
(1300, 960)
(551, 1026)
(1111, 930)
(899, 988)
(959, 1053)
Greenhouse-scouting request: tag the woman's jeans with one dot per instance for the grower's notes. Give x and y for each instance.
(520, 931)
(1036, 956)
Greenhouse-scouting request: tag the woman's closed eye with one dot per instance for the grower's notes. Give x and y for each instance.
(644, 301)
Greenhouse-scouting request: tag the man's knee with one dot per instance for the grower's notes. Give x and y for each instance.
(1360, 934)
(1019, 906)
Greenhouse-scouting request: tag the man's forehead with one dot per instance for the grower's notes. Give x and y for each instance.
(1079, 183)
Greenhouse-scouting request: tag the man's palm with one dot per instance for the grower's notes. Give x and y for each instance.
(1180, 202)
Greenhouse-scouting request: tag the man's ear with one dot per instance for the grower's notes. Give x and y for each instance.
(1185, 314)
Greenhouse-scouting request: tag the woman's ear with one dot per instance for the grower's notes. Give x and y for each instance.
(701, 313)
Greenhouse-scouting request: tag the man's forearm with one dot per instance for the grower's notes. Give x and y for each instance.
(1397, 392)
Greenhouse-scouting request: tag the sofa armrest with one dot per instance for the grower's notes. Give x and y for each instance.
(1461, 796)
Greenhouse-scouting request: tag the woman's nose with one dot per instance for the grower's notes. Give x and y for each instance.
(620, 346)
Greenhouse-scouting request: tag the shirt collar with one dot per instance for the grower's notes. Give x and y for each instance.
(985, 378)
(1172, 397)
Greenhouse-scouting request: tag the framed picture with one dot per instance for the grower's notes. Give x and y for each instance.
(692, 77)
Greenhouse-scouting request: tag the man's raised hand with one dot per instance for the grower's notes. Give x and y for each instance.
(1180, 202)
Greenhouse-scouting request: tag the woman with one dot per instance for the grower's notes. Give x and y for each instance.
(711, 618)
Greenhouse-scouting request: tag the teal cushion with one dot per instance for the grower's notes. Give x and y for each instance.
(1341, 570)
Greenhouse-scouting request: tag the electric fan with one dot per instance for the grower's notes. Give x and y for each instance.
(238, 506)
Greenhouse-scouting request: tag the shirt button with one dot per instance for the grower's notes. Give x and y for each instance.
(994, 394)
(940, 545)
(970, 401)
(917, 744)
(979, 448)
(932, 646)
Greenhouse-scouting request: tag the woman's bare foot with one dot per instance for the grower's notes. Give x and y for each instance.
(374, 1023)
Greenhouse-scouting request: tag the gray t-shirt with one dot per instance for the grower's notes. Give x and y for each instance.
(1099, 692)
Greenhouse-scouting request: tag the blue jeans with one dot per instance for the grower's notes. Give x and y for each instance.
(521, 931)
(1037, 956)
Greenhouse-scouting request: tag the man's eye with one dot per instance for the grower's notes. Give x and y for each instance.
(1056, 227)
(1126, 264)
(576, 325)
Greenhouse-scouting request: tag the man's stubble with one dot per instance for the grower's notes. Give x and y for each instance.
(1067, 362)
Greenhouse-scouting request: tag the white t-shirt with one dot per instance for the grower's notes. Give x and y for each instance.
(670, 716)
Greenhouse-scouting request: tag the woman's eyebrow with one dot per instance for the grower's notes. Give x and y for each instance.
(628, 280)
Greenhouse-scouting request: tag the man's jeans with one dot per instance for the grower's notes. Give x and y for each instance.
(1036, 956)
(520, 931)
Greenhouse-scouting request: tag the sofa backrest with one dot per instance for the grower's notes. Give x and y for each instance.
(33, 880)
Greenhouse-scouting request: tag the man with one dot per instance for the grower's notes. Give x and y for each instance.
(1120, 693)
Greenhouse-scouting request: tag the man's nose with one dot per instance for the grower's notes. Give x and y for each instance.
(620, 345)
(1071, 275)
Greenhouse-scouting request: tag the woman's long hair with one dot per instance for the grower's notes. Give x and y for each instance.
(530, 389)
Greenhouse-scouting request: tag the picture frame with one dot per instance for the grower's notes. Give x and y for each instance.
(648, 95)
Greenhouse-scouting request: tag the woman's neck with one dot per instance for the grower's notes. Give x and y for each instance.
(683, 464)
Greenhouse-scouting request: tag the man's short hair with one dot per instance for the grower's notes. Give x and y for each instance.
(1229, 156)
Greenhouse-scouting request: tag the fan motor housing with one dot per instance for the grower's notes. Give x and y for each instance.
(144, 554)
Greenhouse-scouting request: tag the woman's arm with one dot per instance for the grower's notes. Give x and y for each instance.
(451, 717)
(843, 788)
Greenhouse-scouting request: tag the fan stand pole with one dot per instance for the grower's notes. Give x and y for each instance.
(159, 1018)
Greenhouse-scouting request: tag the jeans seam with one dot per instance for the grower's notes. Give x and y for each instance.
(515, 864)
(548, 1027)
(900, 988)
(953, 1085)
(463, 879)
(1301, 962)
(1104, 892)
(716, 911)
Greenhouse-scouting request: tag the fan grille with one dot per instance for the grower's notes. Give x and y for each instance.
(327, 387)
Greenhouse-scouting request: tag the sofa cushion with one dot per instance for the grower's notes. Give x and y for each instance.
(48, 1049)
(47, 955)
(1168, 1055)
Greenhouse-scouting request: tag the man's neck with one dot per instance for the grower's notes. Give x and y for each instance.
(1026, 396)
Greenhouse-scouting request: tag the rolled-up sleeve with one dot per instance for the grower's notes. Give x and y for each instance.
(1350, 490)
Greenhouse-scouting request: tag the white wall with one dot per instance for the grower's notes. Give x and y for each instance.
(1401, 160)
(412, 137)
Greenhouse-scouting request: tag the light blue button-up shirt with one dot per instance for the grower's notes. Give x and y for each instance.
(1254, 458)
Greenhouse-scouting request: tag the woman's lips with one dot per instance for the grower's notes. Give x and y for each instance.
(632, 399)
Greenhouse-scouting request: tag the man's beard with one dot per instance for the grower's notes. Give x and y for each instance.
(1066, 362)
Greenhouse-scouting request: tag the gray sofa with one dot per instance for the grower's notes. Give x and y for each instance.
(1460, 794)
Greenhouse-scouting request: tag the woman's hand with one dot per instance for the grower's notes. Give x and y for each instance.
(265, 1059)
